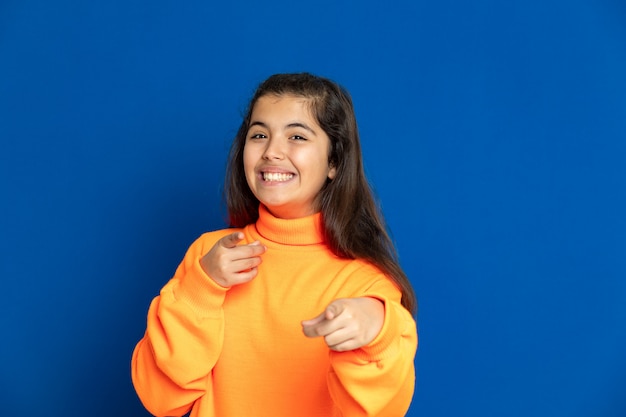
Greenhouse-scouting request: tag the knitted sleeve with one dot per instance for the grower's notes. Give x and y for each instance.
(172, 363)
(379, 378)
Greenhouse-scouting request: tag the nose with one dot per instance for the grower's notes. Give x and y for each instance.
(273, 150)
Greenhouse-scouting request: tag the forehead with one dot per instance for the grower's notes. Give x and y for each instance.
(283, 105)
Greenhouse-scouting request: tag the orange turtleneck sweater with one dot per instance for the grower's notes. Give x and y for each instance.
(240, 351)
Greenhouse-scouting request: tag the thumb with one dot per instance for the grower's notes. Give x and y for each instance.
(231, 240)
(333, 310)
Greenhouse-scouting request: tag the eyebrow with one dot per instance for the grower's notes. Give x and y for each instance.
(288, 126)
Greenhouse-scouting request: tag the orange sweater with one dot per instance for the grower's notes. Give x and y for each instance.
(240, 351)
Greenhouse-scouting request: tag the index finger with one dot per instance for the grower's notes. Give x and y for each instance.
(324, 324)
(231, 240)
(315, 327)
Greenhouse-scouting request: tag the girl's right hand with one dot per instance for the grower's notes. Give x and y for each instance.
(230, 264)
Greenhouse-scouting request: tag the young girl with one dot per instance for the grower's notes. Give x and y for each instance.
(301, 307)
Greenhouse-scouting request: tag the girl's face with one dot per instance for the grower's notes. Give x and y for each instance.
(285, 156)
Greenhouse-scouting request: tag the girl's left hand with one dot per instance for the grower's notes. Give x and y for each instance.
(347, 323)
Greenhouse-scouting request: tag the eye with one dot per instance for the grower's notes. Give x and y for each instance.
(257, 136)
(298, 137)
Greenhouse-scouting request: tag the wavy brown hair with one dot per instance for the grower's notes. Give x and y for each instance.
(353, 223)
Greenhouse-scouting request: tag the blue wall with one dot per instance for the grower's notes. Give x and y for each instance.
(494, 133)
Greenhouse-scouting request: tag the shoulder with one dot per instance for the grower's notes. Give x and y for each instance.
(362, 268)
(369, 279)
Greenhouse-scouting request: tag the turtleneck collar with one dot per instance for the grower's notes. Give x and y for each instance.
(302, 231)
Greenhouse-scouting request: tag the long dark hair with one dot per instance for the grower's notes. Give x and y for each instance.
(353, 223)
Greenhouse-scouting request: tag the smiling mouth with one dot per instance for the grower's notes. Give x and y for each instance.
(276, 176)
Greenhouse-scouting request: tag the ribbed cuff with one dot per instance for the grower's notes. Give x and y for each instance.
(383, 344)
(203, 295)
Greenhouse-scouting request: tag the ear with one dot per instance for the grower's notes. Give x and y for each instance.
(332, 172)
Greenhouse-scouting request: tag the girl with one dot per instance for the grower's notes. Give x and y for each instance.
(301, 307)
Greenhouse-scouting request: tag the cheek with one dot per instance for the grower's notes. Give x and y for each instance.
(248, 160)
(248, 167)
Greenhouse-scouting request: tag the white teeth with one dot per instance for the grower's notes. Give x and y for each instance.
(275, 176)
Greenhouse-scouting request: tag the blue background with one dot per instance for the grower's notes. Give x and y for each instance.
(493, 132)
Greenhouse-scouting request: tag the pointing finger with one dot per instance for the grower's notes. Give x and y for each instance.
(325, 323)
(231, 240)
(314, 321)
(254, 249)
(316, 326)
